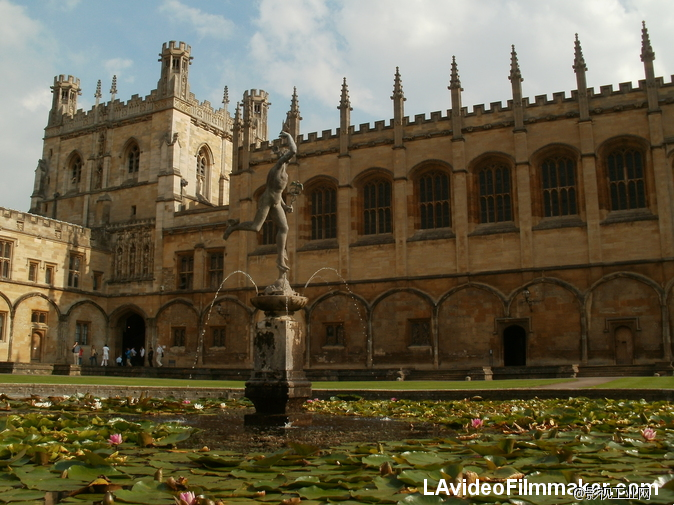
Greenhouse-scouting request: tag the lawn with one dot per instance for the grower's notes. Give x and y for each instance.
(639, 383)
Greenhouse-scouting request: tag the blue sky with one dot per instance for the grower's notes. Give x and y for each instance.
(312, 44)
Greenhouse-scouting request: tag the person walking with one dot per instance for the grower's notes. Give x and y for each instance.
(119, 360)
(93, 356)
(141, 359)
(160, 355)
(106, 355)
(80, 355)
(133, 361)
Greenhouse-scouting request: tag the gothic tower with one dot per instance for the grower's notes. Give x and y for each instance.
(255, 105)
(175, 64)
(65, 91)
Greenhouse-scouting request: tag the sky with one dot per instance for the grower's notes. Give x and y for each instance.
(276, 45)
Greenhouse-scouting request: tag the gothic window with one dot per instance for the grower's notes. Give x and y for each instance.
(203, 166)
(49, 274)
(334, 334)
(185, 271)
(434, 200)
(133, 158)
(419, 332)
(377, 208)
(559, 186)
(38, 317)
(267, 234)
(495, 198)
(627, 187)
(218, 336)
(82, 332)
(324, 213)
(179, 336)
(216, 268)
(146, 260)
(5, 259)
(74, 270)
(32, 271)
(76, 169)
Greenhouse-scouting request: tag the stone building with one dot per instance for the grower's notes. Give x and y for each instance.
(538, 233)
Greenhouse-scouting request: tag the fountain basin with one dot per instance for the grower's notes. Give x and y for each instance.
(279, 305)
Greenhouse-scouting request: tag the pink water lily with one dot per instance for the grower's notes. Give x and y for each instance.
(477, 423)
(187, 498)
(115, 439)
(648, 434)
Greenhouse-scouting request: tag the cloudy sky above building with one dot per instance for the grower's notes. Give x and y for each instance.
(311, 44)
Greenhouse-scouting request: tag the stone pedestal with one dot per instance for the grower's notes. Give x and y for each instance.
(278, 386)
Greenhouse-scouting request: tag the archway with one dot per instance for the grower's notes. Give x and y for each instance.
(514, 346)
(133, 336)
(36, 346)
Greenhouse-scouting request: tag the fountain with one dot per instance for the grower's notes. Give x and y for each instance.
(278, 386)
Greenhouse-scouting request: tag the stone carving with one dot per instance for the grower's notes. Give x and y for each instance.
(133, 254)
(271, 203)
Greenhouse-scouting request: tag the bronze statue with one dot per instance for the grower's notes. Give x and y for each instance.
(271, 203)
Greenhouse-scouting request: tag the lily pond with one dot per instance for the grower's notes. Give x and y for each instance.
(83, 449)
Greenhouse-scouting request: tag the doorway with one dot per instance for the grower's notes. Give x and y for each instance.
(133, 337)
(514, 346)
(624, 345)
(36, 346)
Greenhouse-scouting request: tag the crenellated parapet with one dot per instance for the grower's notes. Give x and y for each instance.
(40, 226)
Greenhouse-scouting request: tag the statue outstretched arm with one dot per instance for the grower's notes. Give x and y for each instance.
(292, 151)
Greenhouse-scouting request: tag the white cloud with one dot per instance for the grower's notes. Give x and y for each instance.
(25, 99)
(205, 24)
(118, 67)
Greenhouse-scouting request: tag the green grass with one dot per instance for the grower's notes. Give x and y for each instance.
(639, 383)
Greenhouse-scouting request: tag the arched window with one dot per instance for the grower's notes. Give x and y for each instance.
(558, 176)
(203, 166)
(434, 200)
(377, 209)
(267, 234)
(76, 169)
(323, 213)
(625, 169)
(133, 158)
(495, 198)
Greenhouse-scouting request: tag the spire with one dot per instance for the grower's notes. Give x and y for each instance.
(647, 53)
(344, 120)
(292, 122)
(225, 98)
(98, 94)
(648, 56)
(398, 86)
(515, 74)
(454, 81)
(455, 90)
(237, 141)
(237, 115)
(113, 88)
(578, 60)
(398, 98)
(580, 68)
(516, 82)
(344, 102)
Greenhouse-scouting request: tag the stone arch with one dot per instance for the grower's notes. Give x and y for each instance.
(19, 347)
(337, 330)
(625, 299)
(178, 327)
(318, 209)
(93, 324)
(430, 190)
(467, 318)
(128, 327)
(204, 163)
(226, 333)
(554, 309)
(87, 302)
(403, 328)
(491, 201)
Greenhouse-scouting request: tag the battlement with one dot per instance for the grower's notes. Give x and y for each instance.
(255, 93)
(14, 220)
(74, 81)
(173, 47)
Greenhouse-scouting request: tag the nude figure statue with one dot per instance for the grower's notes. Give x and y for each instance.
(271, 203)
